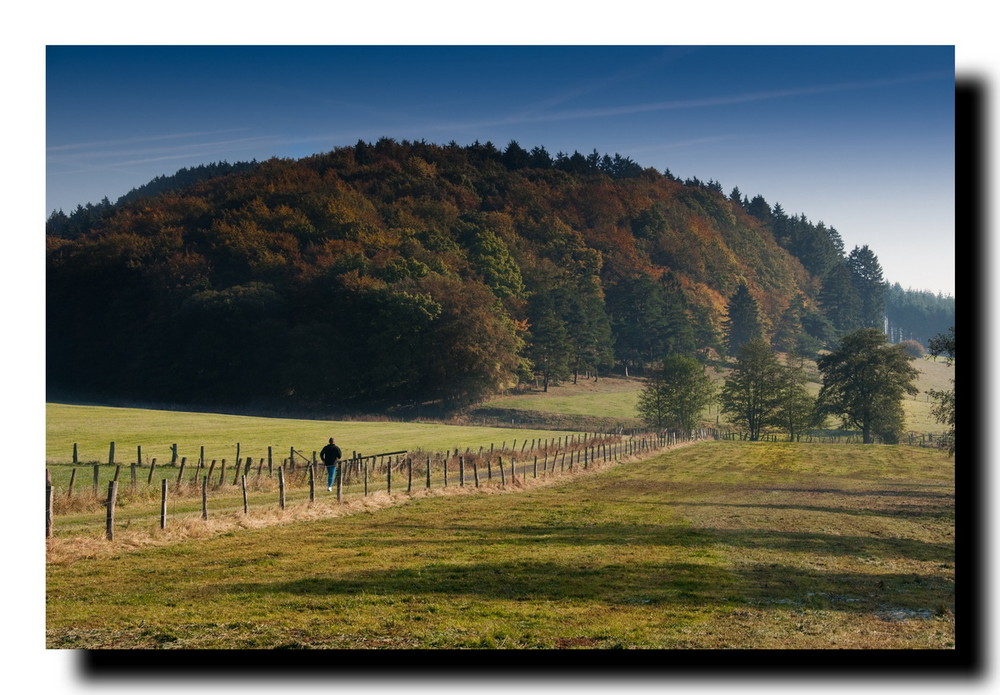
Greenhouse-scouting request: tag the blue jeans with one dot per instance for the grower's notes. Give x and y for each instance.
(331, 473)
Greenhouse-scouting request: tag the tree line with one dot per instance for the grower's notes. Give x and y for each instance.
(864, 381)
(394, 274)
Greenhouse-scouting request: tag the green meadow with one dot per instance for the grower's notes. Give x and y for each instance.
(717, 545)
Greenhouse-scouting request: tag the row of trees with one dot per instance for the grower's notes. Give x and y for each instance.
(864, 381)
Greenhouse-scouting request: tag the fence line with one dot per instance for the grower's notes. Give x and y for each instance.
(353, 474)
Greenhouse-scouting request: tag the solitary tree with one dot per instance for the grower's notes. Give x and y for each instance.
(864, 381)
(944, 408)
(751, 395)
(676, 394)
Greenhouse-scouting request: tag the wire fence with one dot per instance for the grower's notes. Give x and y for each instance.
(126, 494)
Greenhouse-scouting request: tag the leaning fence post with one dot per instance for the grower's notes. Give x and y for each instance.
(152, 467)
(246, 504)
(503, 480)
(72, 481)
(110, 521)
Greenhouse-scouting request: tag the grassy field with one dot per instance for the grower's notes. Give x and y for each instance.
(714, 545)
(616, 397)
(92, 428)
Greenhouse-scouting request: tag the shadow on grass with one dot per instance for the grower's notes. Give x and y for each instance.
(681, 585)
(893, 511)
(809, 542)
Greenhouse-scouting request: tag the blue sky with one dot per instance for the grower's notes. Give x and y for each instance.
(859, 137)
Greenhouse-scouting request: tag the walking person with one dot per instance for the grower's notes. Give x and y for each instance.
(330, 456)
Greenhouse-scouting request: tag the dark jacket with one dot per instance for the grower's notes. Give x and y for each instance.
(330, 454)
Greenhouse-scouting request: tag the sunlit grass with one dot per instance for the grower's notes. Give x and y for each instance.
(717, 545)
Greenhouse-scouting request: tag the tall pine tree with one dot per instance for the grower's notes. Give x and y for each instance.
(742, 323)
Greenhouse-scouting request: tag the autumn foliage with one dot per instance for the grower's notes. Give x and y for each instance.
(399, 273)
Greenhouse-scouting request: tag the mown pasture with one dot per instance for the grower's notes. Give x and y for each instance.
(716, 545)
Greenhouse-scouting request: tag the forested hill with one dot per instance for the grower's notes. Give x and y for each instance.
(401, 272)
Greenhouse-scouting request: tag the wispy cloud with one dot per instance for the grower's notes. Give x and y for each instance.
(523, 116)
(137, 140)
(116, 156)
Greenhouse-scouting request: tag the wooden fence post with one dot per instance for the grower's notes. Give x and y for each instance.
(461, 471)
(97, 471)
(75, 460)
(48, 506)
(163, 503)
(281, 488)
(503, 479)
(72, 481)
(138, 455)
(475, 472)
(204, 498)
(246, 502)
(110, 504)
(180, 474)
(534, 469)
(340, 483)
(428, 472)
(111, 454)
(270, 465)
(388, 477)
(152, 467)
(409, 475)
(364, 465)
(312, 484)
(222, 472)
(173, 454)
(446, 469)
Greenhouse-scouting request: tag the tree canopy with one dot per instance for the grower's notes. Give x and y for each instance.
(864, 382)
(400, 272)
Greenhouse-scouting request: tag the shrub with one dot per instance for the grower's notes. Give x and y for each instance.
(913, 348)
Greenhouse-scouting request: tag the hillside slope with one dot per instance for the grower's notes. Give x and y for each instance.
(399, 273)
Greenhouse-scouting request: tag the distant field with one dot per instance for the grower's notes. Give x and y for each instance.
(720, 545)
(616, 397)
(93, 428)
